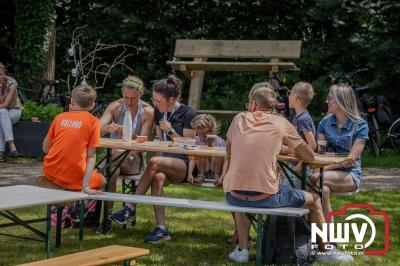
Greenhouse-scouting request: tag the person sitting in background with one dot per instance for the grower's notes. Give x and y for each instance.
(10, 113)
(206, 124)
(71, 145)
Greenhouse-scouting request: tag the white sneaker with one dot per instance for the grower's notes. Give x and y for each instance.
(333, 256)
(239, 256)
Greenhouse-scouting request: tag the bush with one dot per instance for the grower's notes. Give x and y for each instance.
(44, 113)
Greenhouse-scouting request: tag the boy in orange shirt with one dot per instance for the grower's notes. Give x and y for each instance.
(71, 145)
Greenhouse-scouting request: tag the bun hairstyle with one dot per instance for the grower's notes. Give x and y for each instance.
(168, 87)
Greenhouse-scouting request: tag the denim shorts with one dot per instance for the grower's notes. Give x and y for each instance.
(285, 197)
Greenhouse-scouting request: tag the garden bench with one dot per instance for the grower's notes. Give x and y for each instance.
(99, 256)
(228, 55)
(208, 205)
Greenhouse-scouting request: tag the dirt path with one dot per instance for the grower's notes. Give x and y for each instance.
(24, 172)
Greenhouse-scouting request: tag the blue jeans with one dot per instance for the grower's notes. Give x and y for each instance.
(285, 197)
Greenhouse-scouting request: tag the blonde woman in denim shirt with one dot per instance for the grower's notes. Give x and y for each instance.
(346, 133)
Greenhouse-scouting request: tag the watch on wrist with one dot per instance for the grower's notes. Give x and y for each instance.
(171, 132)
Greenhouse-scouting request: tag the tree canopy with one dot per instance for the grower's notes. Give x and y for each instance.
(336, 35)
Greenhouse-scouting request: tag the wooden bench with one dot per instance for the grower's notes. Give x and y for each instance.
(223, 50)
(208, 205)
(99, 256)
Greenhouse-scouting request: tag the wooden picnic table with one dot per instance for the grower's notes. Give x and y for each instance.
(171, 147)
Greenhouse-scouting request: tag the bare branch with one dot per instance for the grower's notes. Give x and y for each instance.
(91, 65)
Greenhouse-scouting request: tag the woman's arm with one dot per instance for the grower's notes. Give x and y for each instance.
(10, 95)
(148, 123)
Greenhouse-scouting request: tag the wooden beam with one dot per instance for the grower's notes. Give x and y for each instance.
(233, 66)
(289, 49)
(196, 86)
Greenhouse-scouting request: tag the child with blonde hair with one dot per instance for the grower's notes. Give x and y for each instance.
(300, 97)
(206, 124)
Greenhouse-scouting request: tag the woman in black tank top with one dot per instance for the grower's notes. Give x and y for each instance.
(172, 120)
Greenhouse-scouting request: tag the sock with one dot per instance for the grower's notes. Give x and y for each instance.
(161, 226)
(130, 206)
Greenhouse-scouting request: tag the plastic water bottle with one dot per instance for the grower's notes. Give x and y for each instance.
(127, 126)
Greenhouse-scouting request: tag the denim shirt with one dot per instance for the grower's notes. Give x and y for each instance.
(340, 140)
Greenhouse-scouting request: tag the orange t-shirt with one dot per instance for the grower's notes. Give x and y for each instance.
(70, 136)
(256, 139)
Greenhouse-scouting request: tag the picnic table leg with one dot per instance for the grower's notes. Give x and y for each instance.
(108, 173)
(321, 183)
(81, 220)
(259, 252)
(303, 175)
(48, 232)
(60, 210)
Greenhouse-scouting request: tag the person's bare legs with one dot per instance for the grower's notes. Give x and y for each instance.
(216, 165)
(159, 181)
(313, 203)
(243, 229)
(112, 187)
(174, 168)
(159, 172)
(201, 166)
(12, 146)
(335, 181)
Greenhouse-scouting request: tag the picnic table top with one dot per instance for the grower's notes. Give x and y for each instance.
(21, 196)
(168, 146)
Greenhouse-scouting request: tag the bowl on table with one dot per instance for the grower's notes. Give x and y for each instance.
(141, 139)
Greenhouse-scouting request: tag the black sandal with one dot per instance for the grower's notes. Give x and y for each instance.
(15, 154)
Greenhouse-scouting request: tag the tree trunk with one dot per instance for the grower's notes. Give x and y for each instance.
(50, 59)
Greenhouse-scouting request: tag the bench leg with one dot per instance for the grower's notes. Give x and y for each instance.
(48, 232)
(58, 226)
(81, 220)
(260, 224)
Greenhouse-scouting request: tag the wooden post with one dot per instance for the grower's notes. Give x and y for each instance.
(196, 86)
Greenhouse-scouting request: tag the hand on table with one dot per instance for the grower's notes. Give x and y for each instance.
(114, 128)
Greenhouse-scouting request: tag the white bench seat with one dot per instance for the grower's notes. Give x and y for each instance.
(197, 204)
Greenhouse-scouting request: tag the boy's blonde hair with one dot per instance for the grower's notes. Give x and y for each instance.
(205, 121)
(133, 82)
(305, 91)
(84, 95)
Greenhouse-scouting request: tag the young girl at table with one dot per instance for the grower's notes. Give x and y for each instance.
(206, 124)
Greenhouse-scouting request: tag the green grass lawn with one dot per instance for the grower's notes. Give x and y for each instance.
(197, 235)
(388, 159)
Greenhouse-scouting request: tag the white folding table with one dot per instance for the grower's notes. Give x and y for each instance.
(21, 196)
